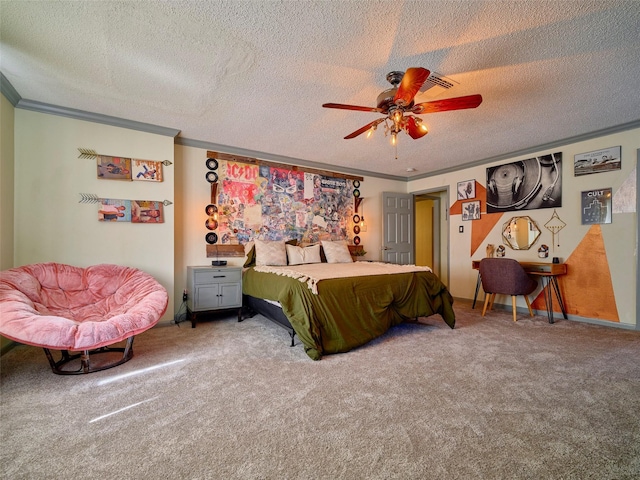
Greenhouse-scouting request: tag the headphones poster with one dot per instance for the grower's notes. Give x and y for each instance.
(525, 185)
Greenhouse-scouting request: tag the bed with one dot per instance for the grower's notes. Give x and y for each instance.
(335, 307)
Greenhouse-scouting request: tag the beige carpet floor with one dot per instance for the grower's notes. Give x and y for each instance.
(491, 399)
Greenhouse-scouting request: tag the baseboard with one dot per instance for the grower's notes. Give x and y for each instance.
(556, 315)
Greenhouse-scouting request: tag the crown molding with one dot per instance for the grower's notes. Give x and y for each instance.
(8, 91)
(188, 142)
(95, 117)
(18, 102)
(532, 150)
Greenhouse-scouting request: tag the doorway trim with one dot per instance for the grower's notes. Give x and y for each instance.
(441, 223)
(637, 235)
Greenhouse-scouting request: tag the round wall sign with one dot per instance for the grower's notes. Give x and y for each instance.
(211, 238)
(211, 224)
(212, 163)
(211, 209)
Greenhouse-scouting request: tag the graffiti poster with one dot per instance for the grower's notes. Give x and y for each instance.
(272, 203)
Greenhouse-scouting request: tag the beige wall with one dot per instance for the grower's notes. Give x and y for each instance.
(620, 237)
(6, 190)
(51, 224)
(6, 183)
(193, 194)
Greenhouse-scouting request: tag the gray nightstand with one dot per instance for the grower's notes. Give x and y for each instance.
(213, 288)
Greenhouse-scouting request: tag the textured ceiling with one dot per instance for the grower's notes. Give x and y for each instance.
(253, 75)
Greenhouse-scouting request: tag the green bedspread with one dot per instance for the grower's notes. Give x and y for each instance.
(349, 312)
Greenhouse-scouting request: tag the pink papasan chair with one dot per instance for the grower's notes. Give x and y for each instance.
(83, 310)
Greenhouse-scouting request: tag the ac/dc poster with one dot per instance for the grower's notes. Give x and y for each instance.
(276, 203)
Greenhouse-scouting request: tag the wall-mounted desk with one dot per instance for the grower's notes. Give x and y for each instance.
(548, 273)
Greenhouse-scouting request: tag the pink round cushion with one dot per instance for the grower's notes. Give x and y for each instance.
(63, 307)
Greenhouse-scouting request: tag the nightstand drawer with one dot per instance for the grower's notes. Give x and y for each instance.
(203, 277)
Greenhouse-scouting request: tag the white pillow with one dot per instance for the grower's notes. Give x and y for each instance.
(336, 252)
(270, 253)
(300, 255)
(247, 250)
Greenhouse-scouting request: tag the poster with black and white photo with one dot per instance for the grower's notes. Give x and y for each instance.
(598, 161)
(525, 185)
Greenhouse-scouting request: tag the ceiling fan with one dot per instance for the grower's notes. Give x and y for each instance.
(397, 101)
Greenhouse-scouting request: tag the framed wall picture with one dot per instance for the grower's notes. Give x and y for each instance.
(114, 168)
(146, 170)
(147, 211)
(596, 206)
(525, 185)
(113, 210)
(466, 190)
(598, 161)
(471, 210)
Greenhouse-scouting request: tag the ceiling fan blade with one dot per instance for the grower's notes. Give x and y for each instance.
(364, 129)
(458, 103)
(351, 107)
(414, 130)
(410, 85)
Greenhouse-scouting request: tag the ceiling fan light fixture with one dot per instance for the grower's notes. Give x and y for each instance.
(397, 117)
(371, 130)
(399, 100)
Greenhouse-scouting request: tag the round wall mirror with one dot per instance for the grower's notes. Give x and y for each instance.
(520, 233)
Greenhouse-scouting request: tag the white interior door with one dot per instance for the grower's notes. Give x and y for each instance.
(397, 228)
